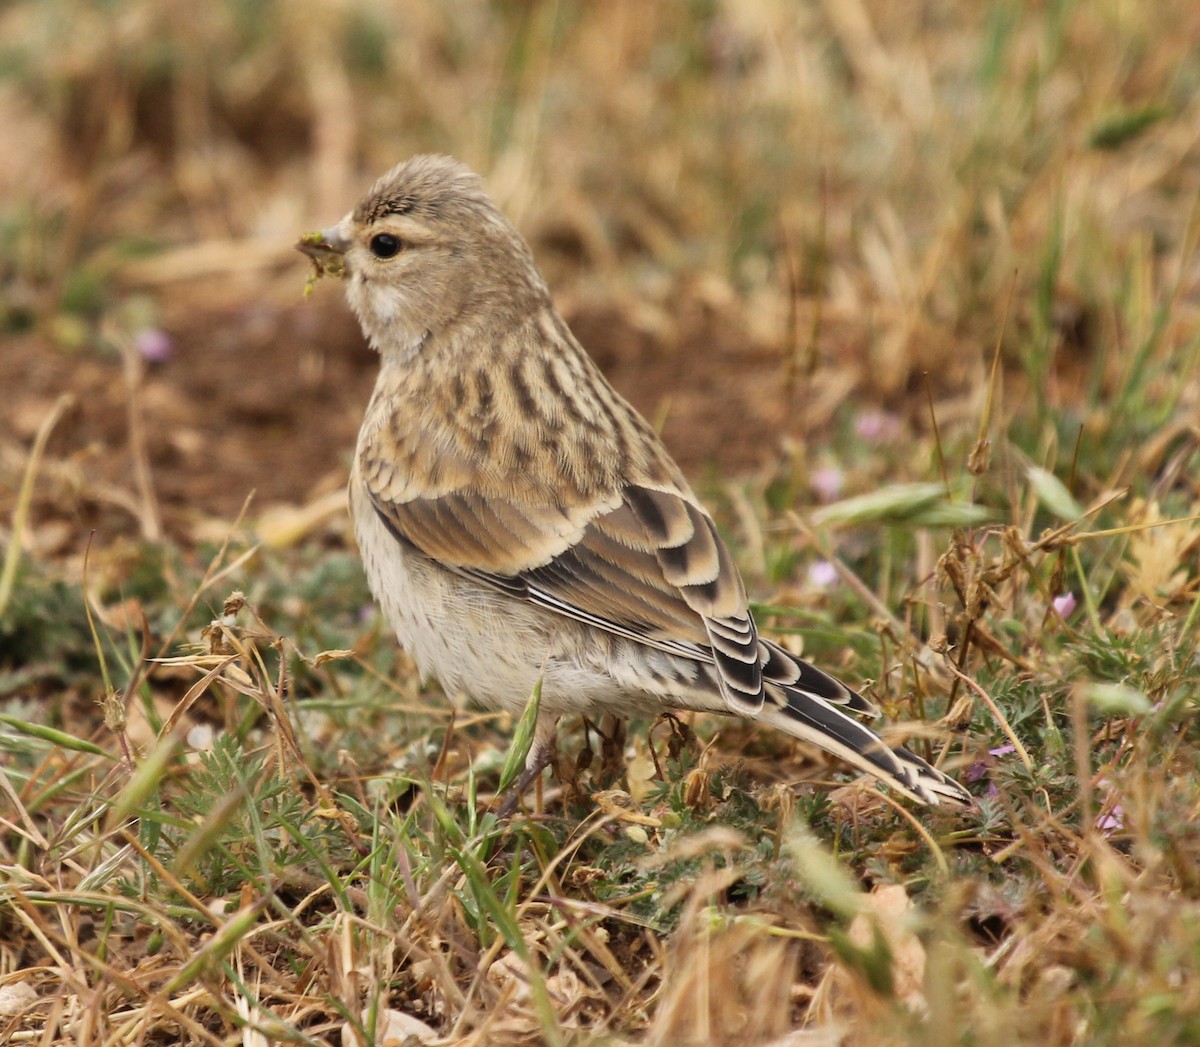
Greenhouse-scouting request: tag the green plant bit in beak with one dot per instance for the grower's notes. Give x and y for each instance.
(326, 260)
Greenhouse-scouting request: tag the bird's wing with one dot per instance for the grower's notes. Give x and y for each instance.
(643, 563)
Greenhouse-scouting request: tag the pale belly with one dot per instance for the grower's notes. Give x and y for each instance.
(492, 648)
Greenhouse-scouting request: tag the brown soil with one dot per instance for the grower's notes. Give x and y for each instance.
(267, 398)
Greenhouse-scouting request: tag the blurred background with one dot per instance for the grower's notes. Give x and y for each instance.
(784, 228)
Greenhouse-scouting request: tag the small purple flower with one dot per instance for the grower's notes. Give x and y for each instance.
(978, 771)
(822, 575)
(876, 426)
(827, 482)
(1113, 819)
(1064, 604)
(153, 345)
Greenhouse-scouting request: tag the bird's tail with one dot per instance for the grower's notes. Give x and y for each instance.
(811, 708)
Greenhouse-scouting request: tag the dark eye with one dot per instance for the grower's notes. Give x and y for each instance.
(384, 245)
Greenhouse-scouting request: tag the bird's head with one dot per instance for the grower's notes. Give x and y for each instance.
(422, 251)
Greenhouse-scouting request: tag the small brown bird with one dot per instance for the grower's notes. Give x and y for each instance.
(519, 521)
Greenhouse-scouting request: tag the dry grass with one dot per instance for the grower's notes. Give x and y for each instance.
(920, 282)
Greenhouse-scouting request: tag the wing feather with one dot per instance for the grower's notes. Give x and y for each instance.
(648, 565)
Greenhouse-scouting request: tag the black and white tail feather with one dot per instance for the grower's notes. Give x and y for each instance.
(808, 704)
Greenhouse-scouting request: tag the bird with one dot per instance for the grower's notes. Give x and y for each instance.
(521, 525)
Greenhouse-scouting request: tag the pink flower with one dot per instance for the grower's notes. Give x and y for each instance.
(1113, 819)
(827, 482)
(1064, 604)
(876, 426)
(822, 575)
(153, 345)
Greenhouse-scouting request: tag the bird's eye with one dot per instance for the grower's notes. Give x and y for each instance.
(384, 245)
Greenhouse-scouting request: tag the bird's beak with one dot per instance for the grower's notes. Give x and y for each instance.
(327, 249)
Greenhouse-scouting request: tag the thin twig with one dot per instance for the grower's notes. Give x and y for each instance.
(12, 555)
(1005, 726)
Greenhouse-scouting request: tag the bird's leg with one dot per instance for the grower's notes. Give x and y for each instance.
(541, 755)
(585, 756)
(682, 736)
(612, 747)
